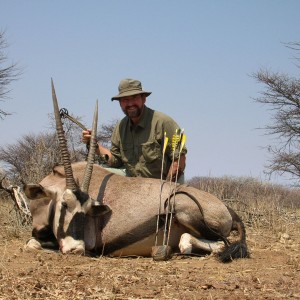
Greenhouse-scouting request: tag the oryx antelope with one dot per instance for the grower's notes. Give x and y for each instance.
(81, 207)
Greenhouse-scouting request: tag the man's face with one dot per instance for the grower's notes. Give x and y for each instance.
(133, 106)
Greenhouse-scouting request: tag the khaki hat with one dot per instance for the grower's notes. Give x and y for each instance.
(129, 87)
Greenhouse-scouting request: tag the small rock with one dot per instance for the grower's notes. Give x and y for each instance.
(284, 238)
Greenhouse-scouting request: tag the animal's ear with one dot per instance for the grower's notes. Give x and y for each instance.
(34, 191)
(99, 210)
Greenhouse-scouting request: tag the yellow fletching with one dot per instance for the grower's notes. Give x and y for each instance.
(165, 143)
(183, 139)
(175, 140)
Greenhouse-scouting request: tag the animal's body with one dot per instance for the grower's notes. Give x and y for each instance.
(128, 227)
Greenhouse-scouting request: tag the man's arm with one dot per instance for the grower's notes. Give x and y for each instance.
(100, 150)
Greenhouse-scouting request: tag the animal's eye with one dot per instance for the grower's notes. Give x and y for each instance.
(64, 204)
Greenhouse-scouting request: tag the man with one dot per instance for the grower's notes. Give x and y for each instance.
(137, 140)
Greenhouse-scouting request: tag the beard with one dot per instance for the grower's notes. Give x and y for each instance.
(133, 111)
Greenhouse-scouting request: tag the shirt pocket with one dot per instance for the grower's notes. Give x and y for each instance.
(127, 153)
(151, 151)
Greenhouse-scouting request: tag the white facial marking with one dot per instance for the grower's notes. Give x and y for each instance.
(70, 199)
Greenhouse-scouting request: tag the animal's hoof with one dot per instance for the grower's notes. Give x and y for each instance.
(161, 253)
(33, 245)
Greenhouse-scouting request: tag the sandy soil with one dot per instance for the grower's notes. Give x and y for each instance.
(272, 272)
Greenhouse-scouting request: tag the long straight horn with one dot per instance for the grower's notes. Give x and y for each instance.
(70, 182)
(91, 156)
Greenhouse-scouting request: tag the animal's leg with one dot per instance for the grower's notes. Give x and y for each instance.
(35, 244)
(42, 238)
(187, 242)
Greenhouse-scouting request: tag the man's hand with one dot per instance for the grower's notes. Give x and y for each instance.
(86, 136)
(175, 167)
(100, 150)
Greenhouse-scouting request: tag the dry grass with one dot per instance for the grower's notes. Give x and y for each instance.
(12, 225)
(261, 205)
(273, 271)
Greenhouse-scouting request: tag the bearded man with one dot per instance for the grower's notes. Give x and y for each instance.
(137, 142)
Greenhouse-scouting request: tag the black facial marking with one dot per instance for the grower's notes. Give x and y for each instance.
(60, 229)
(81, 197)
(76, 226)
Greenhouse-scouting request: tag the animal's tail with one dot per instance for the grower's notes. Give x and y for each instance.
(237, 249)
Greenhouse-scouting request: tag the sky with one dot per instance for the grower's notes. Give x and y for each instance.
(196, 57)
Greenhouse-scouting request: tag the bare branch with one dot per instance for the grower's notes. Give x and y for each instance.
(8, 72)
(282, 96)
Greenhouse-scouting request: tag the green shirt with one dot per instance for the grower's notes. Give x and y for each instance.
(140, 148)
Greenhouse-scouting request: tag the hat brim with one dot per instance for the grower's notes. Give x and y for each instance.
(130, 93)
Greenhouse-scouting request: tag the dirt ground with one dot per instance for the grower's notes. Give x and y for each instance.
(272, 272)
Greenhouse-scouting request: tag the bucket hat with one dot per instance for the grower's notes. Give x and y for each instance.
(129, 87)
